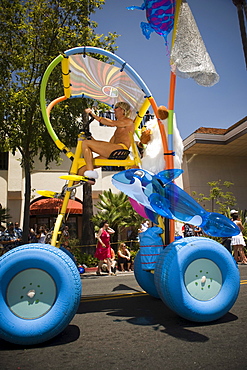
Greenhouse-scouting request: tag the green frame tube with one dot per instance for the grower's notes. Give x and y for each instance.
(43, 86)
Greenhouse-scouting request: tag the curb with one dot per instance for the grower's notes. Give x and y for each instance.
(90, 269)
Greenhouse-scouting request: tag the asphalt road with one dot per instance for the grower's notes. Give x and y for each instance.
(118, 326)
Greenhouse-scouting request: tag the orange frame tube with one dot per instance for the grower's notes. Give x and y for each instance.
(171, 108)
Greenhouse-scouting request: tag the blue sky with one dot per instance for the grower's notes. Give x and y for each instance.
(219, 106)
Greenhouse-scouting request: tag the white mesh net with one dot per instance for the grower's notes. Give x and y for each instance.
(189, 57)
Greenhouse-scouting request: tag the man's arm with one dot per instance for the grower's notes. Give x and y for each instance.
(109, 122)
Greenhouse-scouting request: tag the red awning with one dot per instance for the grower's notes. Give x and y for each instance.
(53, 206)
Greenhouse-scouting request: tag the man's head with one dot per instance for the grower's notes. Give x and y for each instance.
(10, 225)
(125, 107)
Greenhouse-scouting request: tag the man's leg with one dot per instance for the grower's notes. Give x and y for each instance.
(103, 148)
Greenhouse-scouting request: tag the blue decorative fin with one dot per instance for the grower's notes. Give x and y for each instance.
(133, 7)
(167, 176)
(146, 30)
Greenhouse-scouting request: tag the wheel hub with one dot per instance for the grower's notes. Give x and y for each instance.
(31, 293)
(203, 279)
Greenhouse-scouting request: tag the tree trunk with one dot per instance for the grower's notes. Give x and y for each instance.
(26, 201)
(88, 237)
(114, 238)
(242, 9)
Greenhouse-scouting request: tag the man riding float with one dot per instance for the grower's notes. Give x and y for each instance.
(120, 140)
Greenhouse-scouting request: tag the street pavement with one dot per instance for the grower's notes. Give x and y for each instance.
(118, 326)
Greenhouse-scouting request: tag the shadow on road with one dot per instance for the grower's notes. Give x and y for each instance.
(148, 311)
(68, 335)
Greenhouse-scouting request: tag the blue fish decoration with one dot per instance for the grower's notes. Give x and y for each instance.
(160, 17)
(160, 195)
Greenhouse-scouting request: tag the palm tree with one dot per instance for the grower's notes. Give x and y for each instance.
(4, 215)
(117, 210)
(242, 10)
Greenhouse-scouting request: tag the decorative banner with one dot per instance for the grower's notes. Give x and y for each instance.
(104, 82)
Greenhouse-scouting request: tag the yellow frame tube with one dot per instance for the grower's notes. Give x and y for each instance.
(66, 79)
(73, 171)
(141, 113)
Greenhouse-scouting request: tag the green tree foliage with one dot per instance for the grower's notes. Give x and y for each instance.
(220, 200)
(117, 210)
(4, 215)
(32, 34)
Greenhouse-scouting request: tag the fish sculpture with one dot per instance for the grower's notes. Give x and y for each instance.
(160, 17)
(159, 195)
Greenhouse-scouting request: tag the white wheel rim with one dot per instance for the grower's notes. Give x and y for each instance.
(31, 293)
(203, 279)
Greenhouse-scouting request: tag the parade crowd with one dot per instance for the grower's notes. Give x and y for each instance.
(11, 236)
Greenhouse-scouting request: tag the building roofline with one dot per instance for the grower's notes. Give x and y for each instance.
(209, 135)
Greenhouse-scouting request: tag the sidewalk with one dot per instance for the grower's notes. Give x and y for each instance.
(91, 271)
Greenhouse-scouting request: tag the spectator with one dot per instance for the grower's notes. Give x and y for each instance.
(144, 226)
(113, 263)
(65, 235)
(32, 236)
(238, 242)
(197, 231)
(41, 235)
(18, 230)
(124, 258)
(188, 230)
(227, 241)
(103, 249)
(9, 238)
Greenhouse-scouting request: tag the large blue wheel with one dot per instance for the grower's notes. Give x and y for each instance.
(197, 278)
(144, 278)
(40, 291)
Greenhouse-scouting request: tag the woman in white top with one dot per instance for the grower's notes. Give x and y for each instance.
(238, 242)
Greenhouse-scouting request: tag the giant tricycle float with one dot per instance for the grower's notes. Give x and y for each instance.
(196, 277)
(40, 286)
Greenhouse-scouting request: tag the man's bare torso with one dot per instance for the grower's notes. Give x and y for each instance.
(121, 135)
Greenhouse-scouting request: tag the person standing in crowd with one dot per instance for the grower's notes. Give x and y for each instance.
(144, 226)
(32, 236)
(238, 242)
(124, 258)
(18, 230)
(41, 235)
(9, 238)
(65, 235)
(113, 263)
(197, 231)
(188, 230)
(103, 249)
(227, 241)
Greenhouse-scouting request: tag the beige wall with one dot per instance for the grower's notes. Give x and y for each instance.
(3, 187)
(200, 169)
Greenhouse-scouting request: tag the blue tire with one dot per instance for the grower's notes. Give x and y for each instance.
(69, 254)
(197, 278)
(144, 278)
(40, 291)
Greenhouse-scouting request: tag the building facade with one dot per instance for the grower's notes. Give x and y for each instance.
(217, 154)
